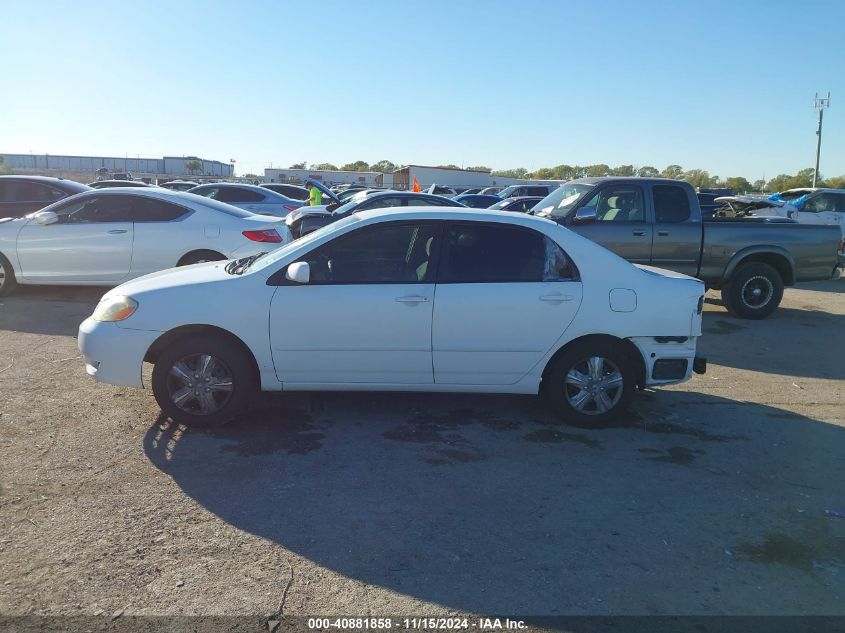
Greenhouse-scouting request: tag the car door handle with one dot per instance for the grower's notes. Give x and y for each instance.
(118, 231)
(638, 232)
(556, 298)
(663, 233)
(412, 299)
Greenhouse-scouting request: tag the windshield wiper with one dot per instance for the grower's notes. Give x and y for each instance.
(239, 266)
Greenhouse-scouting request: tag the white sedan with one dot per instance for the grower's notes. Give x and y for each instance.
(106, 236)
(413, 299)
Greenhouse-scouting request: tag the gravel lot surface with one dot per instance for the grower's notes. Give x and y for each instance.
(708, 498)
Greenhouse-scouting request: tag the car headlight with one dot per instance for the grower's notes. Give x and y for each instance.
(115, 308)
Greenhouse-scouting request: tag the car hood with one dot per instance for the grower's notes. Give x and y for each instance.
(195, 274)
(302, 212)
(310, 182)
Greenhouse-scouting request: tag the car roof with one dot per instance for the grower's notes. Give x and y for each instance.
(47, 180)
(455, 213)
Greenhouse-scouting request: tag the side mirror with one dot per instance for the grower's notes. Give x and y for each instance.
(584, 214)
(300, 272)
(46, 217)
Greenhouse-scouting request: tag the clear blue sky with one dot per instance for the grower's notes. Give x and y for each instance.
(721, 86)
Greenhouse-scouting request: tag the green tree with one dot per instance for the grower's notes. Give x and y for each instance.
(193, 165)
(647, 171)
(384, 166)
(302, 165)
(3, 168)
(759, 185)
(449, 166)
(837, 182)
(778, 183)
(781, 182)
(622, 170)
(738, 184)
(675, 172)
(479, 168)
(594, 171)
(699, 178)
(358, 165)
(518, 172)
(324, 167)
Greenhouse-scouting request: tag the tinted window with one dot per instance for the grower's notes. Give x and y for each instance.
(536, 191)
(498, 253)
(671, 203)
(825, 202)
(380, 202)
(623, 203)
(237, 194)
(30, 192)
(98, 209)
(388, 253)
(153, 210)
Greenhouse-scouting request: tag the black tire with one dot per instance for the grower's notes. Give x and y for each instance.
(754, 291)
(197, 257)
(230, 361)
(8, 282)
(563, 396)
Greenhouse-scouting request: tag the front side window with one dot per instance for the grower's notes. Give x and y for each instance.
(671, 203)
(563, 200)
(619, 204)
(383, 254)
(96, 210)
(501, 253)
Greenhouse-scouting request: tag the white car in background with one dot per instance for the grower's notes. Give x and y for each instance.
(413, 299)
(249, 197)
(106, 236)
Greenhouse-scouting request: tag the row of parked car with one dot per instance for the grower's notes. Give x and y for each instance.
(403, 290)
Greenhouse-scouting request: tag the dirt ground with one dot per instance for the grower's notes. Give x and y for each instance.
(713, 497)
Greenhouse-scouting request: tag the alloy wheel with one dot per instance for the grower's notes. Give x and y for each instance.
(594, 386)
(200, 384)
(756, 292)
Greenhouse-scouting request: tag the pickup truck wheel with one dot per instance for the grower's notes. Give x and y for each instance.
(203, 381)
(8, 283)
(754, 291)
(590, 384)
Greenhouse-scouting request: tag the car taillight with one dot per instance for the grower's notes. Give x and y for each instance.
(842, 244)
(290, 207)
(267, 235)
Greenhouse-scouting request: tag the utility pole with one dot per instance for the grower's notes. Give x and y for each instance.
(819, 105)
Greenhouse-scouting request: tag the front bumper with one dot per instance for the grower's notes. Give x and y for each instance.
(114, 354)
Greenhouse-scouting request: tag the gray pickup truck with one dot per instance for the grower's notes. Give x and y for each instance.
(658, 222)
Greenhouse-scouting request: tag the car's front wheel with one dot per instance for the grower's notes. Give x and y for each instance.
(203, 380)
(590, 383)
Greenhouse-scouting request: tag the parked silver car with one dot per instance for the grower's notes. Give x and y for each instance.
(249, 197)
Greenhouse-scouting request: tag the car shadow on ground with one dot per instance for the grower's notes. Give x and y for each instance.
(487, 504)
(53, 310)
(761, 345)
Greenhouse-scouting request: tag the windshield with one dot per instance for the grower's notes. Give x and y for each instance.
(562, 200)
(273, 256)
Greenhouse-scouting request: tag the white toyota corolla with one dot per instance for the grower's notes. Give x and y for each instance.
(414, 299)
(106, 236)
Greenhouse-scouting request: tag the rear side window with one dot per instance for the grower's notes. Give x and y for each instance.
(153, 210)
(671, 203)
(500, 253)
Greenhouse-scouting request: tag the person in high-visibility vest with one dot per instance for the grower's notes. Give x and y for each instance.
(315, 196)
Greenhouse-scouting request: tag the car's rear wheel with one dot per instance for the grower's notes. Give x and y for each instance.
(199, 257)
(204, 380)
(754, 291)
(8, 282)
(590, 383)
